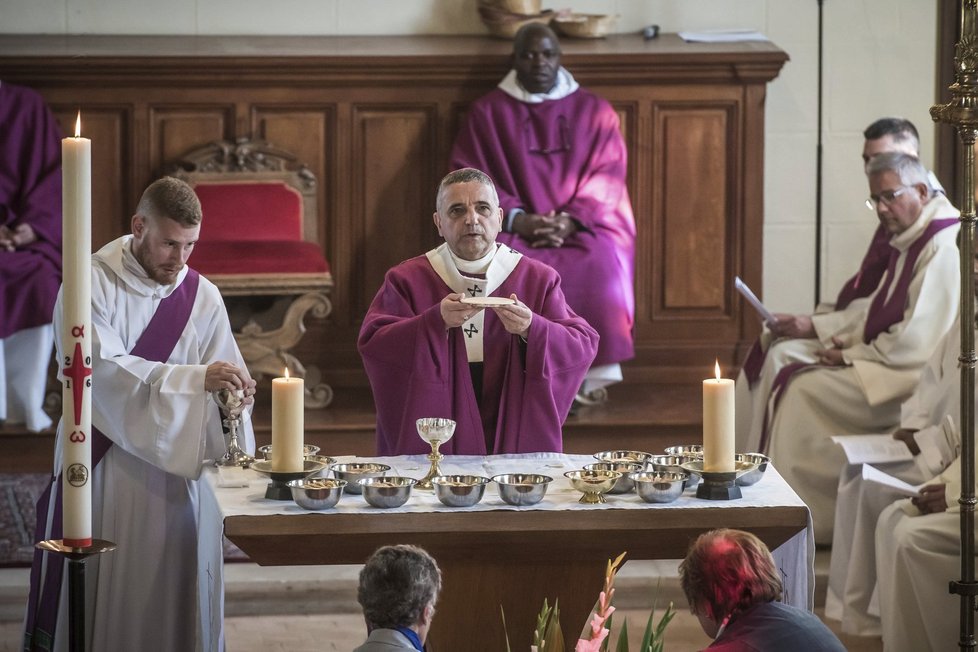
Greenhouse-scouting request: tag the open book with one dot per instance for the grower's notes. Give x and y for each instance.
(897, 486)
(873, 449)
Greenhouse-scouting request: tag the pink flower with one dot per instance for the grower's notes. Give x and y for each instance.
(594, 645)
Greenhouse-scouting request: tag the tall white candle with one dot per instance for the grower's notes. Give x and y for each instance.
(76, 338)
(718, 423)
(288, 395)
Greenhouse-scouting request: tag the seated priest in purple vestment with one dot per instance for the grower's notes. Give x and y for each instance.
(506, 374)
(30, 251)
(559, 161)
(162, 344)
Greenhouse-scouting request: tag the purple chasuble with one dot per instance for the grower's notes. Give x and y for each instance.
(883, 312)
(418, 369)
(565, 155)
(30, 193)
(155, 344)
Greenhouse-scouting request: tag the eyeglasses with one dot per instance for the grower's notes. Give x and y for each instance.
(885, 197)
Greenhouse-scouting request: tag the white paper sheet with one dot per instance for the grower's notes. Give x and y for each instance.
(873, 449)
(872, 474)
(723, 36)
(754, 301)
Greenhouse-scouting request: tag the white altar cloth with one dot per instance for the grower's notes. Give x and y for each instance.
(795, 557)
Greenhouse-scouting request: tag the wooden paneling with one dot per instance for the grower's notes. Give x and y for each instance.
(374, 118)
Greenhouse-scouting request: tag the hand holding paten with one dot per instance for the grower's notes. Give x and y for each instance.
(515, 317)
(454, 312)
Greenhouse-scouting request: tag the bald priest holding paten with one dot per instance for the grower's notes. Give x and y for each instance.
(475, 332)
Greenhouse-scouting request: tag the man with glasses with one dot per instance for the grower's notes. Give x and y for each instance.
(866, 360)
(753, 389)
(557, 156)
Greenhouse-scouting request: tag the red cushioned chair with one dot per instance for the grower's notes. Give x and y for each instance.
(259, 244)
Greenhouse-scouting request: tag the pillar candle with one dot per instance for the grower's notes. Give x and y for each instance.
(76, 338)
(288, 396)
(718, 423)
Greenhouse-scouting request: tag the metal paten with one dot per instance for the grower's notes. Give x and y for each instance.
(962, 113)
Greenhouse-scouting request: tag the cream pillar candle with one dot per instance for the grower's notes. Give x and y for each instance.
(288, 396)
(718, 423)
(76, 338)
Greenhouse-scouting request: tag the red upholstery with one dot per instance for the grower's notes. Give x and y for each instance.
(253, 228)
(250, 257)
(250, 211)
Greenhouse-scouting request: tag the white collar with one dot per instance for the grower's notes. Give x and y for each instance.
(474, 266)
(564, 86)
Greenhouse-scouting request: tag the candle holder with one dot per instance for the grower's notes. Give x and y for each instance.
(232, 404)
(76, 583)
(278, 488)
(435, 431)
(718, 485)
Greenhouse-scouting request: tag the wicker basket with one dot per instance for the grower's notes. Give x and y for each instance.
(585, 25)
(525, 7)
(503, 24)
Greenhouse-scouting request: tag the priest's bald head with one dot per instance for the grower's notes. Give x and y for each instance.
(467, 213)
(165, 228)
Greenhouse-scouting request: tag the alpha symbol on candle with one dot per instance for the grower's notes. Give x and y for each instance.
(78, 372)
(78, 331)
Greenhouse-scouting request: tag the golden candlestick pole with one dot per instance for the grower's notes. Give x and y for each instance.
(962, 113)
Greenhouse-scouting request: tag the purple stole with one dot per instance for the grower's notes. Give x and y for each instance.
(883, 313)
(870, 271)
(155, 344)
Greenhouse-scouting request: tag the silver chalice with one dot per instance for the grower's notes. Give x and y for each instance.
(232, 404)
(436, 432)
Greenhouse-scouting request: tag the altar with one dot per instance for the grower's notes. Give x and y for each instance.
(494, 555)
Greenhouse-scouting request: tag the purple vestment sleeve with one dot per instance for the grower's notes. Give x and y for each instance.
(565, 155)
(418, 369)
(30, 193)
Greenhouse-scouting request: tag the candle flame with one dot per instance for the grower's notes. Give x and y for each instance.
(286, 373)
(717, 370)
(78, 125)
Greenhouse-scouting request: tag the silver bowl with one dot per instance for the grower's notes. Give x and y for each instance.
(659, 486)
(752, 476)
(593, 485)
(459, 490)
(386, 492)
(623, 456)
(307, 450)
(624, 484)
(316, 494)
(522, 488)
(326, 461)
(353, 472)
(674, 464)
(686, 450)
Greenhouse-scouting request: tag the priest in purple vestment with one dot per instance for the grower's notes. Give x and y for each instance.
(507, 373)
(30, 251)
(559, 161)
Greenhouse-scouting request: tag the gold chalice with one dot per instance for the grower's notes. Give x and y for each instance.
(435, 431)
(593, 484)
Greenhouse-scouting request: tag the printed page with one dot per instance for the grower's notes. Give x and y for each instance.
(900, 488)
(753, 300)
(873, 449)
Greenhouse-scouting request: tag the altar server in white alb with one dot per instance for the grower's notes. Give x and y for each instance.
(927, 427)
(162, 344)
(865, 363)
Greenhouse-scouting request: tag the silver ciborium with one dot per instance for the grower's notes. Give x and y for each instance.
(435, 431)
(232, 404)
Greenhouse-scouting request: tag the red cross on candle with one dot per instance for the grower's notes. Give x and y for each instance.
(78, 372)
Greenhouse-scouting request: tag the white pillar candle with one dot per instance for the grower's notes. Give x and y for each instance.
(76, 338)
(288, 396)
(718, 423)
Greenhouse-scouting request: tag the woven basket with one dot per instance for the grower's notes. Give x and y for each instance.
(503, 24)
(525, 7)
(585, 25)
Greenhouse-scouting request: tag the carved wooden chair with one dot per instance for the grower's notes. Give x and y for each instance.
(258, 244)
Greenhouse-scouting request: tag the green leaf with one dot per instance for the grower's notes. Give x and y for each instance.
(554, 636)
(543, 618)
(505, 631)
(622, 637)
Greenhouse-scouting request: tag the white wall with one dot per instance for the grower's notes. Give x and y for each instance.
(879, 59)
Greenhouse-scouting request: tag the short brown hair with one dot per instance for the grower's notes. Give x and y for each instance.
(726, 571)
(171, 198)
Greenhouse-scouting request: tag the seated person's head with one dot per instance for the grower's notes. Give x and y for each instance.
(536, 57)
(898, 188)
(398, 588)
(467, 213)
(165, 228)
(725, 572)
